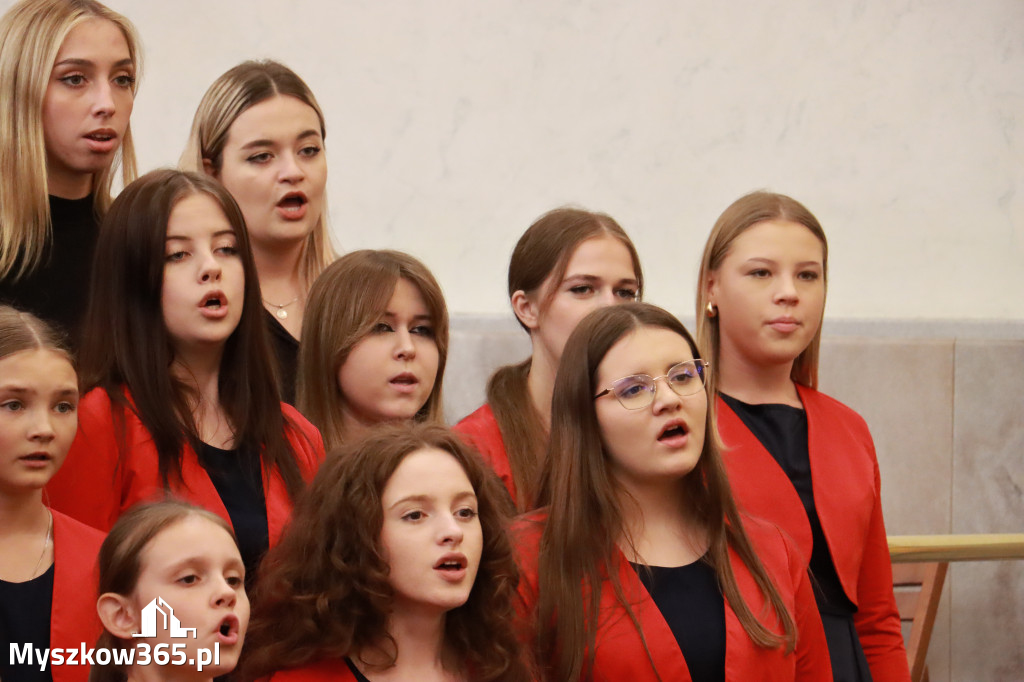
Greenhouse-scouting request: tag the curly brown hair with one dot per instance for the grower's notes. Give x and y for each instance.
(323, 591)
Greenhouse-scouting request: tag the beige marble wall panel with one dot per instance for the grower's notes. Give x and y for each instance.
(474, 352)
(904, 390)
(988, 480)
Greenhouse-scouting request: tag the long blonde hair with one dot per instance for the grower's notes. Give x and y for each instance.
(741, 215)
(344, 305)
(236, 91)
(31, 35)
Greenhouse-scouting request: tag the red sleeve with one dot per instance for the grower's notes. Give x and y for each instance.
(480, 429)
(877, 619)
(88, 485)
(306, 442)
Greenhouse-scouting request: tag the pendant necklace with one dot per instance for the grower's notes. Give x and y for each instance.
(46, 543)
(281, 313)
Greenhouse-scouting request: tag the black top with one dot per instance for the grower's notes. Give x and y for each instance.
(57, 290)
(25, 619)
(355, 671)
(237, 476)
(782, 430)
(286, 350)
(691, 603)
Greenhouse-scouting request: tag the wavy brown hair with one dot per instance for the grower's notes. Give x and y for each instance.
(579, 544)
(120, 561)
(126, 348)
(742, 214)
(323, 591)
(542, 252)
(337, 318)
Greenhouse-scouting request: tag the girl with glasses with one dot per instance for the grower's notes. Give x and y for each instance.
(795, 456)
(375, 345)
(182, 397)
(46, 558)
(396, 566)
(568, 263)
(635, 507)
(68, 71)
(260, 132)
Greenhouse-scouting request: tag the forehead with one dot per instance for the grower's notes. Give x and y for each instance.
(428, 471)
(647, 350)
(604, 256)
(407, 298)
(193, 535)
(778, 240)
(195, 215)
(94, 39)
(279, 118)
(38, 368)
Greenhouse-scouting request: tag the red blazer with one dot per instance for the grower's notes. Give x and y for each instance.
(620, 651)
(332, 670)
(845, 478)
(73, 617)
(480, 429)
(95, 488)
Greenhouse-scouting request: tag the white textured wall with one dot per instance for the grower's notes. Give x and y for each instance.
(452, 125)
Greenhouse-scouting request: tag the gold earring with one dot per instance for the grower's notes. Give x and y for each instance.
(710, 308)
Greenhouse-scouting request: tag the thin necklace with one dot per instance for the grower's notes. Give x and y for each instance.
(281, 312)
(46, 543)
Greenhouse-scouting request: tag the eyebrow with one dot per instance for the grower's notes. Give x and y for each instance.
(431, 498)
(270, 143)
(77, 61)
(220, 233)
(595, 278)
(770, 261)
(428, 317)
(25, 390)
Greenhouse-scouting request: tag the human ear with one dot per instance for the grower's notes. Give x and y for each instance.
(208, 168)
(526, 309)
(117, 615)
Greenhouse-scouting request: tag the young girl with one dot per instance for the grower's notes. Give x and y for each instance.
(260, 131)
(46, 558)
(395, 566)
(67, 84)
(796, 456)
(182, 561)
(185, 399)
(566, 264)
(676, 584)
(374, 345)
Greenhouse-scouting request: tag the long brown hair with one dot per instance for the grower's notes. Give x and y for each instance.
(21, 331)
(579, 543)
(744, 213)
(120, 561)
(323, 591)
(344, 305)
(126, 344)
(542, 253)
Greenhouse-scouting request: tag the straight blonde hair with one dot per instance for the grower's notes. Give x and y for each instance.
(742, 214)
(237, 90)
(31, 35)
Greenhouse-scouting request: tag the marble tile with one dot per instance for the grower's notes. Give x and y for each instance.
(904, 390)
(988, 497)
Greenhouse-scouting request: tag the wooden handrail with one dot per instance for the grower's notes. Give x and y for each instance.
(990, 547)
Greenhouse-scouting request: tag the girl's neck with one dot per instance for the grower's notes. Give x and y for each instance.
(21, 511)
(68, 185)
(657, 528)
(26, 548)
(540, 383)
(282, 285)
(201, 372)
(756, 384)
(419, 641)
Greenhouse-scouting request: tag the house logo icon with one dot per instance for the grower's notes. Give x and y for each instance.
(170, 623)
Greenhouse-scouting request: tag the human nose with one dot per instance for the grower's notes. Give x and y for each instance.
(209, 269)
(291, 170)
(405, 349)
(41, 426)
(451, 532)
(225, 593)
(786, 293)
(665, 400)
(103, 104)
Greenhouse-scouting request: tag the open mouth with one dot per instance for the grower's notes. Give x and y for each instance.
(228, 628)
(405, 379)
(37, 457)
(213, 302)
(451, 563)
(293, 201)
(673, 431)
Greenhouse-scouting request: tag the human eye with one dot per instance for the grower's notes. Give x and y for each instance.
(65, 407)
(759, 273)
(310, 150)
(382, 328)
(260, 158)
(176, 256)
(809, 275)
(466, 514)
(581, 289)
(228, 250)
(630, 387)
(423, 330)
(683, 374)
(12, 405)
(626, 293)
(125, 80)
(413, 516)
(189, 579)
(235, 580)
(73, 80)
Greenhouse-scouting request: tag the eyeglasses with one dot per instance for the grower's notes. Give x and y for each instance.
(637, 391)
